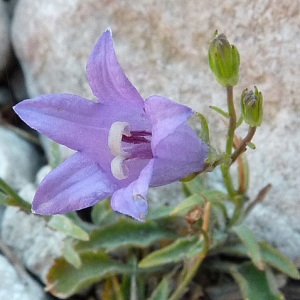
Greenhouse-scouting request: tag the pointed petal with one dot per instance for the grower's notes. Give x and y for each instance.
(132, 199)
(178, 155)
(165, 116)
(77, 183)
(67, 119)
(106, 77)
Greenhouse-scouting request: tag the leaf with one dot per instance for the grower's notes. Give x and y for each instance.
(198, 199)
(162, 291)
(220, 111)
(125, 232)
(102, 214)
(181, 249)
(204, 135)
(255, 284)
(193, 186)
(70, 255)
(64, 280)
(277, 260)
(55, 155)
(65, 225)
(159, 213)
(248, 239)
(188, 203)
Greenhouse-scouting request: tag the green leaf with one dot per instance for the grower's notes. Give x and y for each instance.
(102, 214)
(162, 291)
(125, 232)
(64, 280)
(277, 260)
(188, 203)
(10, 197)
(71, 256)
(255, 284)
(65, 225)
(199, 199)
(181, 249)
(220, 111)
(248, 239)
(204, 135)
(193, 186)
(55, 155)
(159, 213)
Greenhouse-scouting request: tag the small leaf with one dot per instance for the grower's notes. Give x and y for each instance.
(71, 256)
(125, 232)
(248, 239)
(55, 155)
(220, 111)
(162, 291)
(65, 225)
(204, 135)
(102, 214)
(159, 213)
(255, 284)
(188, 203)
(193, 186)
(64, 280)
(277, 260)
(181, 249)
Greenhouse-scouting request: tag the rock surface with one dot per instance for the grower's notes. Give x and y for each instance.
(19, 161)
(34, 242)
(162, 47)
(16, 286)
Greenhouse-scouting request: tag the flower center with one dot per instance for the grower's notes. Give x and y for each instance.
(124, 145)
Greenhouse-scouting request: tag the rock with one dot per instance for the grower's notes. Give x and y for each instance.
(19, 160)
(163, 50)
(35, 244)
(16, 286)
(5, 54)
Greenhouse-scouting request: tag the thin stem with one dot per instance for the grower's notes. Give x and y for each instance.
(232, 120)
(14, 199)
(229, 143)
(243, 145)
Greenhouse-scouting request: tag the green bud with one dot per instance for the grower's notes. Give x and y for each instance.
(224, 60)
(252, 107)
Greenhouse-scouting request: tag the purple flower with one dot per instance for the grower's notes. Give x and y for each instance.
(124, 144)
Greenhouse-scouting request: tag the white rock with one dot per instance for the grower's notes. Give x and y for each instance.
(35, 244)
(163, 50)
(19, 161)
(16, 286)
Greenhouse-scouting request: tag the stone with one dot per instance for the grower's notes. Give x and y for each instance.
(162, 48)
(19, 160)
(5, 49)
(34, 242)
(16, 286)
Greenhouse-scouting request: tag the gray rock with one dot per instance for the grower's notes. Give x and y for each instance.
(163, 50)
(19, 161)
(33, 242)
(5, 54)
(17, 286)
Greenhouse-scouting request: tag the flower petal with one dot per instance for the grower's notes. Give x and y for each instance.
(106, 77)
(67, 119)
(178, 155)
(131, 200)
(77, 183)
(165, 116)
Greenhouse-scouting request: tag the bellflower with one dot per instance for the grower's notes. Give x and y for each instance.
(124, 144)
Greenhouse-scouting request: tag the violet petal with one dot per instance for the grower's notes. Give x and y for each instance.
(131, 200)
(178, 155)
(106, 77)
(77, 183)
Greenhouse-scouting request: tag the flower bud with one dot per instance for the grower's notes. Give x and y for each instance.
(252, 107)
(224, 60)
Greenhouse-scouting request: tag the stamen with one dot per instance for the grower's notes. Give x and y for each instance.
(116, 132)
(118, 168)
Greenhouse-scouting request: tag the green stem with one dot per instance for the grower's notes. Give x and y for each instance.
(232, 120)
(229, 143)
(14, 199)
